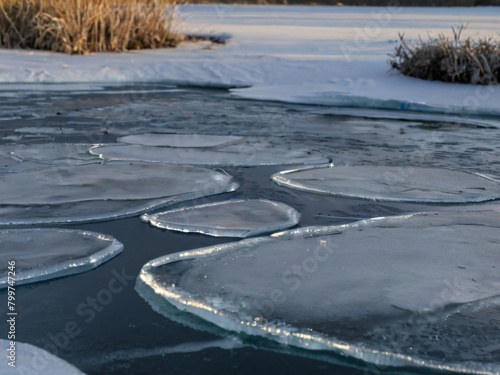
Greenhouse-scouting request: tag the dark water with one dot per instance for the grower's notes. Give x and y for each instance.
(74, 317)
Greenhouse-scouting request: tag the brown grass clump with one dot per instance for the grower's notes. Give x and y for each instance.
(83, 26)
(450, 60)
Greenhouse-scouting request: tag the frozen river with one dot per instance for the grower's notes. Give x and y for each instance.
(99, 323)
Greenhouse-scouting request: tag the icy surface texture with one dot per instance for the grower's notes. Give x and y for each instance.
(335, 288)
(78, 212)
(70, 153)
(37, 156)
(251, 152)
(237, 218)
(114, 181)
(393, 184)
(470, 331)
(31, 360)
(42, 254)
(54, 130)
(179, 140)
(102, 191)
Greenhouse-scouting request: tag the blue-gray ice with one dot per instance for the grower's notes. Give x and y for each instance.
(43, 254)
(393, 184)
(179, 140)
(336, 288)
(23, 157)
(102, 191)
(235, 218)
(248, 152)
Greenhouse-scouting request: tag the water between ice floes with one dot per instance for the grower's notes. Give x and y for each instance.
(110, 316)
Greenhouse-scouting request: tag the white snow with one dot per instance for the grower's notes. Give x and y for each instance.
(321, 55)
(396, 184)
(332, 288)
(42, 254)
(234, 218)
(31, 360)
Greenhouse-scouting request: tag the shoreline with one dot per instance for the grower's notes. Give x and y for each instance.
(360, 3)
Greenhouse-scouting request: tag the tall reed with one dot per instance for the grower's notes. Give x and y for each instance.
(83, 26)
(450, 60)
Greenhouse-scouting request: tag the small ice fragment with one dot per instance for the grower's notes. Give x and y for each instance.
(179, 140)
(30, 360)
(393, 184)
(236, 218)
(43, 254)
(332, 288)
(7, 163)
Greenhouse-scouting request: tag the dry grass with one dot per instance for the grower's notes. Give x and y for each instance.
(83, 26)
(450, 60)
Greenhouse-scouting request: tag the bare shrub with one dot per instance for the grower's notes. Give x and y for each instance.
(450, 60)
(83, 26)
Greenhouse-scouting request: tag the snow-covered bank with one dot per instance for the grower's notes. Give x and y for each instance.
(319, 55)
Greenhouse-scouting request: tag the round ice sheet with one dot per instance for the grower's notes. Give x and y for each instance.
(248, 153)
(395, 184)
(237, 218)
(42, 254)
(109, 181)
(179, 140)
(335, 288)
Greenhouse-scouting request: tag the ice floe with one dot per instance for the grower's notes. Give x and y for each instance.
(31, 360)
(108, 181)
(77, 212)
(102, 191)
(179, 140)
(395, 184)
(43, 254)
(235, 218)
(252, 152)
(336, 288)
